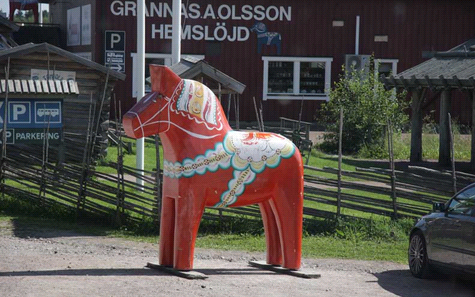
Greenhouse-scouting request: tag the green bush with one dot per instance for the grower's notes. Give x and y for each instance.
(368, 108)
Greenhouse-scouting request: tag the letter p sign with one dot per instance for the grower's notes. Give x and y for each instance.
(19, 112)
(115, 40)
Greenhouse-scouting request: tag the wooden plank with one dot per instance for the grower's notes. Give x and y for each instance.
(44, 85)
(73, 87)
(17, 86)
(65, 86)
(11, 87)
(59, 89)
(24, 85)
(39, 89)
(52, 87)
(31, 85)
(298, 273)
(181, 273)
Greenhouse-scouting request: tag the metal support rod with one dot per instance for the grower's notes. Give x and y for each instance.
(357, 36)
(176, 31)
(140, 74)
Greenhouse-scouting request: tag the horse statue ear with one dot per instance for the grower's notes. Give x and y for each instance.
(163, 80)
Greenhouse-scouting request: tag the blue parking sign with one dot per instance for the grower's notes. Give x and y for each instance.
(19, 112)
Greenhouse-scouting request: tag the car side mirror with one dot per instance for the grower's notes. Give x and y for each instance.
(438, 207)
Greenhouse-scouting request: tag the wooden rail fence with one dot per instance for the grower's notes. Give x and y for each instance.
(116, 195)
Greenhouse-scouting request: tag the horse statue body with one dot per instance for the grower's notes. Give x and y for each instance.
(266, 38)
(207, 164)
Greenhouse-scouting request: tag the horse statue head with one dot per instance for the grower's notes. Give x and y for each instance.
(259, 28)
(174, 103)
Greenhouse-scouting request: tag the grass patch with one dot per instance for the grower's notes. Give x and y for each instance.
(373, 239)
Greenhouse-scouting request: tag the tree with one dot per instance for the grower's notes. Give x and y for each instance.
(368, 108)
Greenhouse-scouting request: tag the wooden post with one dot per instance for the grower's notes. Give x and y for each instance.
(4, 128)
(340, 153)
(257, 115)
(452, 155)
(472, 159)
(416, 126)
(444, 135)
(393, 170)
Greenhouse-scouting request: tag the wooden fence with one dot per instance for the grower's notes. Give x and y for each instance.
(115, 194)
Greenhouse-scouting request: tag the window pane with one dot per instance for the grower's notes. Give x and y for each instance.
(281, 77)
(464, 202)
(385, 69)
(312, 78)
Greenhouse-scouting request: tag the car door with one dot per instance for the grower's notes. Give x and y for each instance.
(452, 236)
(468, 227)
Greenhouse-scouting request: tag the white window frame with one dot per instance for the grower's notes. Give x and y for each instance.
(296, 83)
(167, 59)
(393, 63)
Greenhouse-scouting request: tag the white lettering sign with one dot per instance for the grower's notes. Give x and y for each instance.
(36, 136)
(221, 13)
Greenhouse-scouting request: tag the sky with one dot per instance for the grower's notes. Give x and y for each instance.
(4, 6)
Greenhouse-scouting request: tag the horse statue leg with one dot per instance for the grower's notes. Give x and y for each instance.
(260, 43)
(189, 208)
(167, 231)
(273, 242)
(289, 221)
(279, 46)
(287, 206)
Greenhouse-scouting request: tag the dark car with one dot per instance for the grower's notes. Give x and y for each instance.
(446, 237)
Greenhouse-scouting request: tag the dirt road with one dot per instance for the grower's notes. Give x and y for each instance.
(45, 262)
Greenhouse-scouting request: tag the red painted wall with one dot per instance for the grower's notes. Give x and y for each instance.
(412, 27)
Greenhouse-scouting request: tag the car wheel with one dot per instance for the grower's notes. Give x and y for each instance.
(417, 256)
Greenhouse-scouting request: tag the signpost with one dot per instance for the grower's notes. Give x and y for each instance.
(31, 121)
(114, 56)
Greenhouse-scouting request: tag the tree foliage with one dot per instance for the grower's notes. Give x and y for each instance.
(367, 107)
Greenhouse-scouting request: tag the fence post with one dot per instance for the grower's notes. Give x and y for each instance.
(340, 153)
(120, 182)
(392, 168)
(4, 129)
(452, 155)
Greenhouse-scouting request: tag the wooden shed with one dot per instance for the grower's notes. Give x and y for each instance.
(54, 98)
(441, 76)
(223, 85)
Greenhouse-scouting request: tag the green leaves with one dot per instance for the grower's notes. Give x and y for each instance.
(368, 108)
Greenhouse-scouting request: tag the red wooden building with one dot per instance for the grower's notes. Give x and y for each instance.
(283, 51)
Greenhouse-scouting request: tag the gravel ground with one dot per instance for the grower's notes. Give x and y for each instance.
(44, 262)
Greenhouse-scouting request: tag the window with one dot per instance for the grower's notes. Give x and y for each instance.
(463, 203)
(386, 67)
(296, 78)
(160, 59)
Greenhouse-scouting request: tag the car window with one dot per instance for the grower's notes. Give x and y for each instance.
(463, 202)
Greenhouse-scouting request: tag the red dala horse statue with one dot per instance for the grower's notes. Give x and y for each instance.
(207, 164)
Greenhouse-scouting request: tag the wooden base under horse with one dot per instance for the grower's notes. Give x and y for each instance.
(207, 164)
